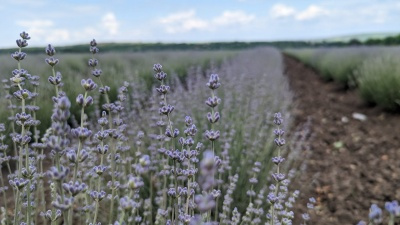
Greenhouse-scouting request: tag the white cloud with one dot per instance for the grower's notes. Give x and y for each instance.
(177, 17)
(43, 30)
(181, 22)
(281, 10)
(311, 12)
(233, 17)
(284, 11)
(110, 22)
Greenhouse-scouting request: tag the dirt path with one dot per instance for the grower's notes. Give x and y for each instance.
(353, 163)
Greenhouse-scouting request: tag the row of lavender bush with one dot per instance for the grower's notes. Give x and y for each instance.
(375, 71)
(163, 157)
(130, 67)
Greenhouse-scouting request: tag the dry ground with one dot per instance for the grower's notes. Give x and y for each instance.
(353, 163)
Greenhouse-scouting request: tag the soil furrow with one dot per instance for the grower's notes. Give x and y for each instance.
(353, 163)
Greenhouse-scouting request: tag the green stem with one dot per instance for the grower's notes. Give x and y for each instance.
(96, 212)
(188, 198)
(176, 189)
(112, 204)
(121, 219)
(151, 198)
(28, 189)
(13, 127)
(57, 159)
(4, 192)
(16, 208)
(391, 220)
(54, 75)
(217, 200)
(87, 213)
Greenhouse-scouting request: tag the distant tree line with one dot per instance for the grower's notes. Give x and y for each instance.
(142, 47)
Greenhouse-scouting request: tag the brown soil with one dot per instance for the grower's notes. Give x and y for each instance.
(346, 179)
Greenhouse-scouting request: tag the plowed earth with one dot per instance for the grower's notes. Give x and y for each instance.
(353, 163)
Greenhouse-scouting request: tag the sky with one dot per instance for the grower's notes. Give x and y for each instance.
(78, 21)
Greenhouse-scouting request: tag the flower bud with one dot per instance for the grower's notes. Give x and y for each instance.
(50, 51)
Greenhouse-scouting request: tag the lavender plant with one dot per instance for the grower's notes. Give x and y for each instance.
(139, 159)
(376, 215)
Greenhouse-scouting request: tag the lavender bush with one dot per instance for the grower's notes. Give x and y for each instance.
(185, 153)
(373, 70)
(119, 67)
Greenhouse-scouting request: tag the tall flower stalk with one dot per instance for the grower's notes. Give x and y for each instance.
(166, 110)
(278, 176)
(81, 133)
(25, 121)
(213, 117)
(57, 139)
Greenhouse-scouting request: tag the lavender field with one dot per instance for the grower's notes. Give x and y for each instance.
(114, 139)
(237, 112)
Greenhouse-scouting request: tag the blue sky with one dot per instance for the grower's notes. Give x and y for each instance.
(71, 22)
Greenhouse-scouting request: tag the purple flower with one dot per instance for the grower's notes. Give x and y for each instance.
(97, 195)
(305, 216)
(166, 110)
(93, 62)
(213, 82)
(58, 175)
(168, 133)
(279, 142)
(18, 56)
(278, 176)
(96, 72)
(163, 89)
(18, 183)
(393, 208)
(94, 49)
(213, 101)
(52, 61)
(278, 160)
(160, 75)
(55, 80)
(50, 50)
(22, 94)
(88, 85)
(93, 43)
(21, 43)
(81, 132)
(63, 205)
(157, 67)
(375, 214)
(204, 203)
(24, 35)
(272, 198)
(213, 118)
(212, 135)
(74, 188)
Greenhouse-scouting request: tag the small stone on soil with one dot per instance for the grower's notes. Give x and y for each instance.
(359, 116)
